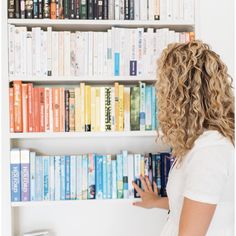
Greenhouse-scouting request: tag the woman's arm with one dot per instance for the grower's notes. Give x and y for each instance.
(150, 198)
(195, 218)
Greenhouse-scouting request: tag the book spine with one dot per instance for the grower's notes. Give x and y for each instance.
(87, 108)
(105, 10)
(114, 177)
(127, 9)
(17, 9)
(63, 178)
(99, 187)
(133, 56)
(56, 109)
(137, 160)
(121, 107)
(77, 109)
(158, 166)
(25, 107)
(90, 52)
(163, 10)
(17, 54)
(90, 9)
(72, 59)
(136, 9)
(93, 109)
(32, 176)
(122, 9)
(127, 108)
(29, 9)
(91, 177)
(11, 109)
(23, 51)
(132, 9)
(42, 109)
(17, 91)
(104, 176)
(11, 49)
(117, 9)
(85, 177)
(79, 177)
(150, 169)
(57, 178)
(73, 178)
(107, 109)
(30, 107)
(49, 51)
(151, 9)
(113, 123)
(82, 105)
(61, 53)
(142, 113)
(157, 9)
(125, 174)
(95, 9)
(117, 53)
(100, 9)
(77, 9)
(119, 170)
(29, 59)
(111, 9)
(62, 110)
(135, 108)
(116, 106)
(143, 10)
(61, 9)
(130, 175)
(154, 109)
(69, 9)
(102, 109)
(67, 177)
(55, 54)
(67, 116)
(11, 8)
(15, 176)
(39, 178)
(52, 178)
(148, 108)
(72, 110)
(53, 10)
(36, 110)
(46, 177)
(83, 9)
(109, 177)
(98, 113)
(40, 7)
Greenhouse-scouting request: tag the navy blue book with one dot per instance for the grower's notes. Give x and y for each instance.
(165, 167)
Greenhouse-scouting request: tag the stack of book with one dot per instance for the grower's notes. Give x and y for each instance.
(82, 108)
(87, 176)
(117, 52)
(102, 9)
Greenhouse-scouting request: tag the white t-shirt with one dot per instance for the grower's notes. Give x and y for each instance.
(206, 175)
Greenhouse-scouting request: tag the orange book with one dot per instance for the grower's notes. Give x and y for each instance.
(42, 110)
(36, 110)
(62, 109)
(17, 91)
(47, 109)
(30, 108)
(53, 8)
(116, 106)
(11, 109)
(25, 107)
(56, 109)
(191, 36)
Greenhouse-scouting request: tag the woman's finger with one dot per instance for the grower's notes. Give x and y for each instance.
(144, 184)
(139, 190)
(155, 188)
(149, 184)
(139, 204)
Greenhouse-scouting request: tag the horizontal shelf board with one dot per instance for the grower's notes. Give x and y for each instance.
(83, 134)
(71, 202)
(78, 79)
(100, 24)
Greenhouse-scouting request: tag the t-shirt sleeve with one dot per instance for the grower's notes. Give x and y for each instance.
(206, 174)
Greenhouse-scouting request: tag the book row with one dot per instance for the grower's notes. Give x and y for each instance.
(102, 9)
(87, 176)
(117, 52)
(82, 108)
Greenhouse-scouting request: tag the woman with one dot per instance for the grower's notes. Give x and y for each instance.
(196, 117)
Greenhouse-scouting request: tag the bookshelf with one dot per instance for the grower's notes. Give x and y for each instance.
(82, 217)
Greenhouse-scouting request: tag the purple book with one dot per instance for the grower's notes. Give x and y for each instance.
(25, 174)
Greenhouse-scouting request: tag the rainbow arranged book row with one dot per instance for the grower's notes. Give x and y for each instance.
(88, 176)
(102, 9)
(82, 108)
(117, 52)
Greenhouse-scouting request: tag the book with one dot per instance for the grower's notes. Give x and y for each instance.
(135, 108)
(99, 178)
(85, 177)
(11, 9)
(46, 178)
(67, 177)
(119, 159)
(17, 93)
(91, 177)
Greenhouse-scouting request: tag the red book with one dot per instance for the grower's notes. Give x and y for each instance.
(47, 109)
(56, 109)
(18, 124)
(42, 110)
(11, 109)
(25, 107)
(36, 110)
(30, 107)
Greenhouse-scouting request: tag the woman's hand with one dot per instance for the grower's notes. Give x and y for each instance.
(149, 196)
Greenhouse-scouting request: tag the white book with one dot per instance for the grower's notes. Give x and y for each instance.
(113, 109)
(95, 54)
(23, 50)
(37, 233)
(117, 9)
(105, 54)
(73, 177)
(93, 109)
(37, 55)
(137, 9)
(189, 10)
(17, 51)
(163, 10)
(111, 9)
(33, 52)
(82, 106)
(156, 9)
(29, 58)
(139, 53)
(11, 49)
(113, 40)
(144, 54)
(49, 51)
(143, 9)
(133, 52)
(51, 181)
(151, 9)
(102, 109)
(126, 52)
(44, 69)
(130, 175)
(57, 178)
(55, 55)
(122, 9)
(72, 54)
(90, 54)
(181, 9)
(109, 54)
(67, 50)
(169, 4)
(100, 53)
(86, 51)
(117, 49)
(150, 51)
(176, 10)
(60, 53)
(122, 43)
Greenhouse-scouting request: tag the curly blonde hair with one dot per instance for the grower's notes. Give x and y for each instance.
(194, 94)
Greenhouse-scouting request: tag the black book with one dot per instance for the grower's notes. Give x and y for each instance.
(69, 9)
(17, 9)
(90, 9)
(46, 9)
(40, 9)
(138, 182)
(77, 9)
(22, 9)
(67, 97)
(36, 9)
(95, 9)
(131, 9)
(105, 9)
(11, 9)
(127, 7)
(100, 9)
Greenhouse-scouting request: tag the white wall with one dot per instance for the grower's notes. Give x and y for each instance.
(215, 26)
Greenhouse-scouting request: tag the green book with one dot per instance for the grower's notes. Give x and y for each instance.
(134, 108)
(83, 9)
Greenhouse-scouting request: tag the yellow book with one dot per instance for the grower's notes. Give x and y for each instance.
(82, 108)
(116, 106)
(97, 102)
(121, 107)
(87, 108)
(77, 110)
(93, 109)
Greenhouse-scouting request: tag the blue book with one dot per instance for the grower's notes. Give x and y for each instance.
(73, 177)
(52, 178)
(117, 64)
(67, 177)
(114, 177)
(63, 178)
(79, 177)
(154, 109)
(164, 172)
(98, 176)
(57, 178)
(119, 176)
(104, 177)
(109, 177)
(148, 108)
(15, 176)
(46, 177)
(125, 174)
(85, 177)
(133, 68)
(91, 176)
(32, 176)
(39, 178)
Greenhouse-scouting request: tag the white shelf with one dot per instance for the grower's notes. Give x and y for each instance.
(78, 79)
(108, 134)
(72, 202)
(100, 24)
